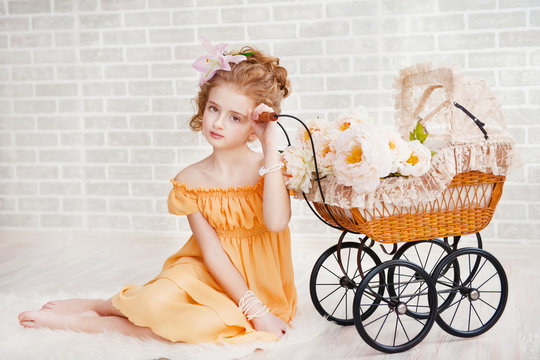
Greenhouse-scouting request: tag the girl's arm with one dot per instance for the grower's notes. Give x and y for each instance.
(215, 258)
(220, 266)
(276, 200)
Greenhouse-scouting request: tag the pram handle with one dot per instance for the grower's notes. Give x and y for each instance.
(268, 116)
(474, 118)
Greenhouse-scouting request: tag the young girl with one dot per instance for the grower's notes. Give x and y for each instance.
(233, 279)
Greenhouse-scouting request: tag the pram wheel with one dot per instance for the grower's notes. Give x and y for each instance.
(394, 326)
(332, 292)
(427, 254)
(480, 292)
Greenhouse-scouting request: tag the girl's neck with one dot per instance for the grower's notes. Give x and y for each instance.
(228, 161)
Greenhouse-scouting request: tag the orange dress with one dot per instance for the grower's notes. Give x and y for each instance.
(185, 303)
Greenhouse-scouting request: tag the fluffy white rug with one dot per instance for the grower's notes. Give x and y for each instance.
(20, 343)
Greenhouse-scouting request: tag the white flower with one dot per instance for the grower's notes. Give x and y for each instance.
(362, 157)
(325, 152)
(323, 140)
(353, 116)
(399, 149)
(316, 127)
(325, 160)
(418, 161)
(299, 166)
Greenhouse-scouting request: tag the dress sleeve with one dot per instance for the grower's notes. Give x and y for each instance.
(181, 200)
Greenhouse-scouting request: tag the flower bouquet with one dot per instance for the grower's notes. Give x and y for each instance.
(355, 152)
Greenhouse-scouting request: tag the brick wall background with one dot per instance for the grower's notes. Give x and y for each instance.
(95, 95)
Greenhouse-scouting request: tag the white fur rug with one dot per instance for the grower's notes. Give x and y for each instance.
(20, 343)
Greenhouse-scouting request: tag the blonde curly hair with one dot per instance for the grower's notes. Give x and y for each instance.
(259, 77)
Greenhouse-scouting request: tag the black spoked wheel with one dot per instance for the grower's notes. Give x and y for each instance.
(394, 326)
(480, 292)
(427, 254)
(332, 291)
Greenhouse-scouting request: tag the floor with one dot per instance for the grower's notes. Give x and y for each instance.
(47, 263)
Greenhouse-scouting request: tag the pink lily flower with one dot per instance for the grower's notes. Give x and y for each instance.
(207, 65)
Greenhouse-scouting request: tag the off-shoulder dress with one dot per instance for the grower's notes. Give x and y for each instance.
(184, 303)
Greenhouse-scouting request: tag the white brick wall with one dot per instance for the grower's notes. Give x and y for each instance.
(95, 95)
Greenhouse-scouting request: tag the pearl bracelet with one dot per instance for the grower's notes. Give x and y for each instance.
(263, 171)
(248, 301)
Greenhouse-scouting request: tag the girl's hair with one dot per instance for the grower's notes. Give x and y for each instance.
(260, 77)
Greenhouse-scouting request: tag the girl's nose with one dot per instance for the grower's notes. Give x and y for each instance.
(218, 123)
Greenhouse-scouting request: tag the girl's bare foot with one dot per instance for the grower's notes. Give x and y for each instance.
(89, 324)
(72, 306)
(48, 319)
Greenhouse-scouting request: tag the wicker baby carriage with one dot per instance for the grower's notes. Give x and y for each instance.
(394, 303)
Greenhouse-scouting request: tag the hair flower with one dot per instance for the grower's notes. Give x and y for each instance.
(215, 60)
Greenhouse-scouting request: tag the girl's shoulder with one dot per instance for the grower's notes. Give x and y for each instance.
(190, 175)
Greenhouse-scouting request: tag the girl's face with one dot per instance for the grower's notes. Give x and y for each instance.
(225, 118)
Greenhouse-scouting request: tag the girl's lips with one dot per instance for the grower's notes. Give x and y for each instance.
(215, 135)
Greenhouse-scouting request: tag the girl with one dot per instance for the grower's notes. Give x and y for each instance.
(233, 279)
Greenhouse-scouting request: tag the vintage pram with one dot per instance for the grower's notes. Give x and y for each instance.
(428, 279)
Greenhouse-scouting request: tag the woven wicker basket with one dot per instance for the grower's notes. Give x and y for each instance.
(465, 207)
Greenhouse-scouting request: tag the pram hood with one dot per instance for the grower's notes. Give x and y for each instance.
(428, 93)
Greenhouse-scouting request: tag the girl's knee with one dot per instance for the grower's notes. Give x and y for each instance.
(155, 300)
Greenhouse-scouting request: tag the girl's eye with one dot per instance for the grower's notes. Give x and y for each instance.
(212, 108)
(235, 118)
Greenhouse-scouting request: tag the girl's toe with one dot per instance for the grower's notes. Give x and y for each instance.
(23, 316)
(26, 319)
(48, 305)
(28, 324)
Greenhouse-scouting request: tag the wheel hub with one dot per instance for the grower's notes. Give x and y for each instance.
(346, 282)
(474, 295)
(401, 308)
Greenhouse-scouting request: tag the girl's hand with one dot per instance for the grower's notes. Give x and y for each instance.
(265, 131)
(270, 323)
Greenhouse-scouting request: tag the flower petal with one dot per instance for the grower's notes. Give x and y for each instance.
(207, 45)
(209, 74)
(235, 59)
(224, 65)
(220, 48)
(202, 64)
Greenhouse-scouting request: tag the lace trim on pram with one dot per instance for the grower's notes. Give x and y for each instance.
(492, 157)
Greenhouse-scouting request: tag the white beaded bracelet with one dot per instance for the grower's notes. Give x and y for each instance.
(248, 301)
(263, 311)
(263, 171)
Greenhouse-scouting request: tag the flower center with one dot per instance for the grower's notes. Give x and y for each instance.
(345, 126)
(392, 145)
(213, 62)
(306, 134)
(325, 151)
(355, 156)
(285, 171)
(413, 160)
